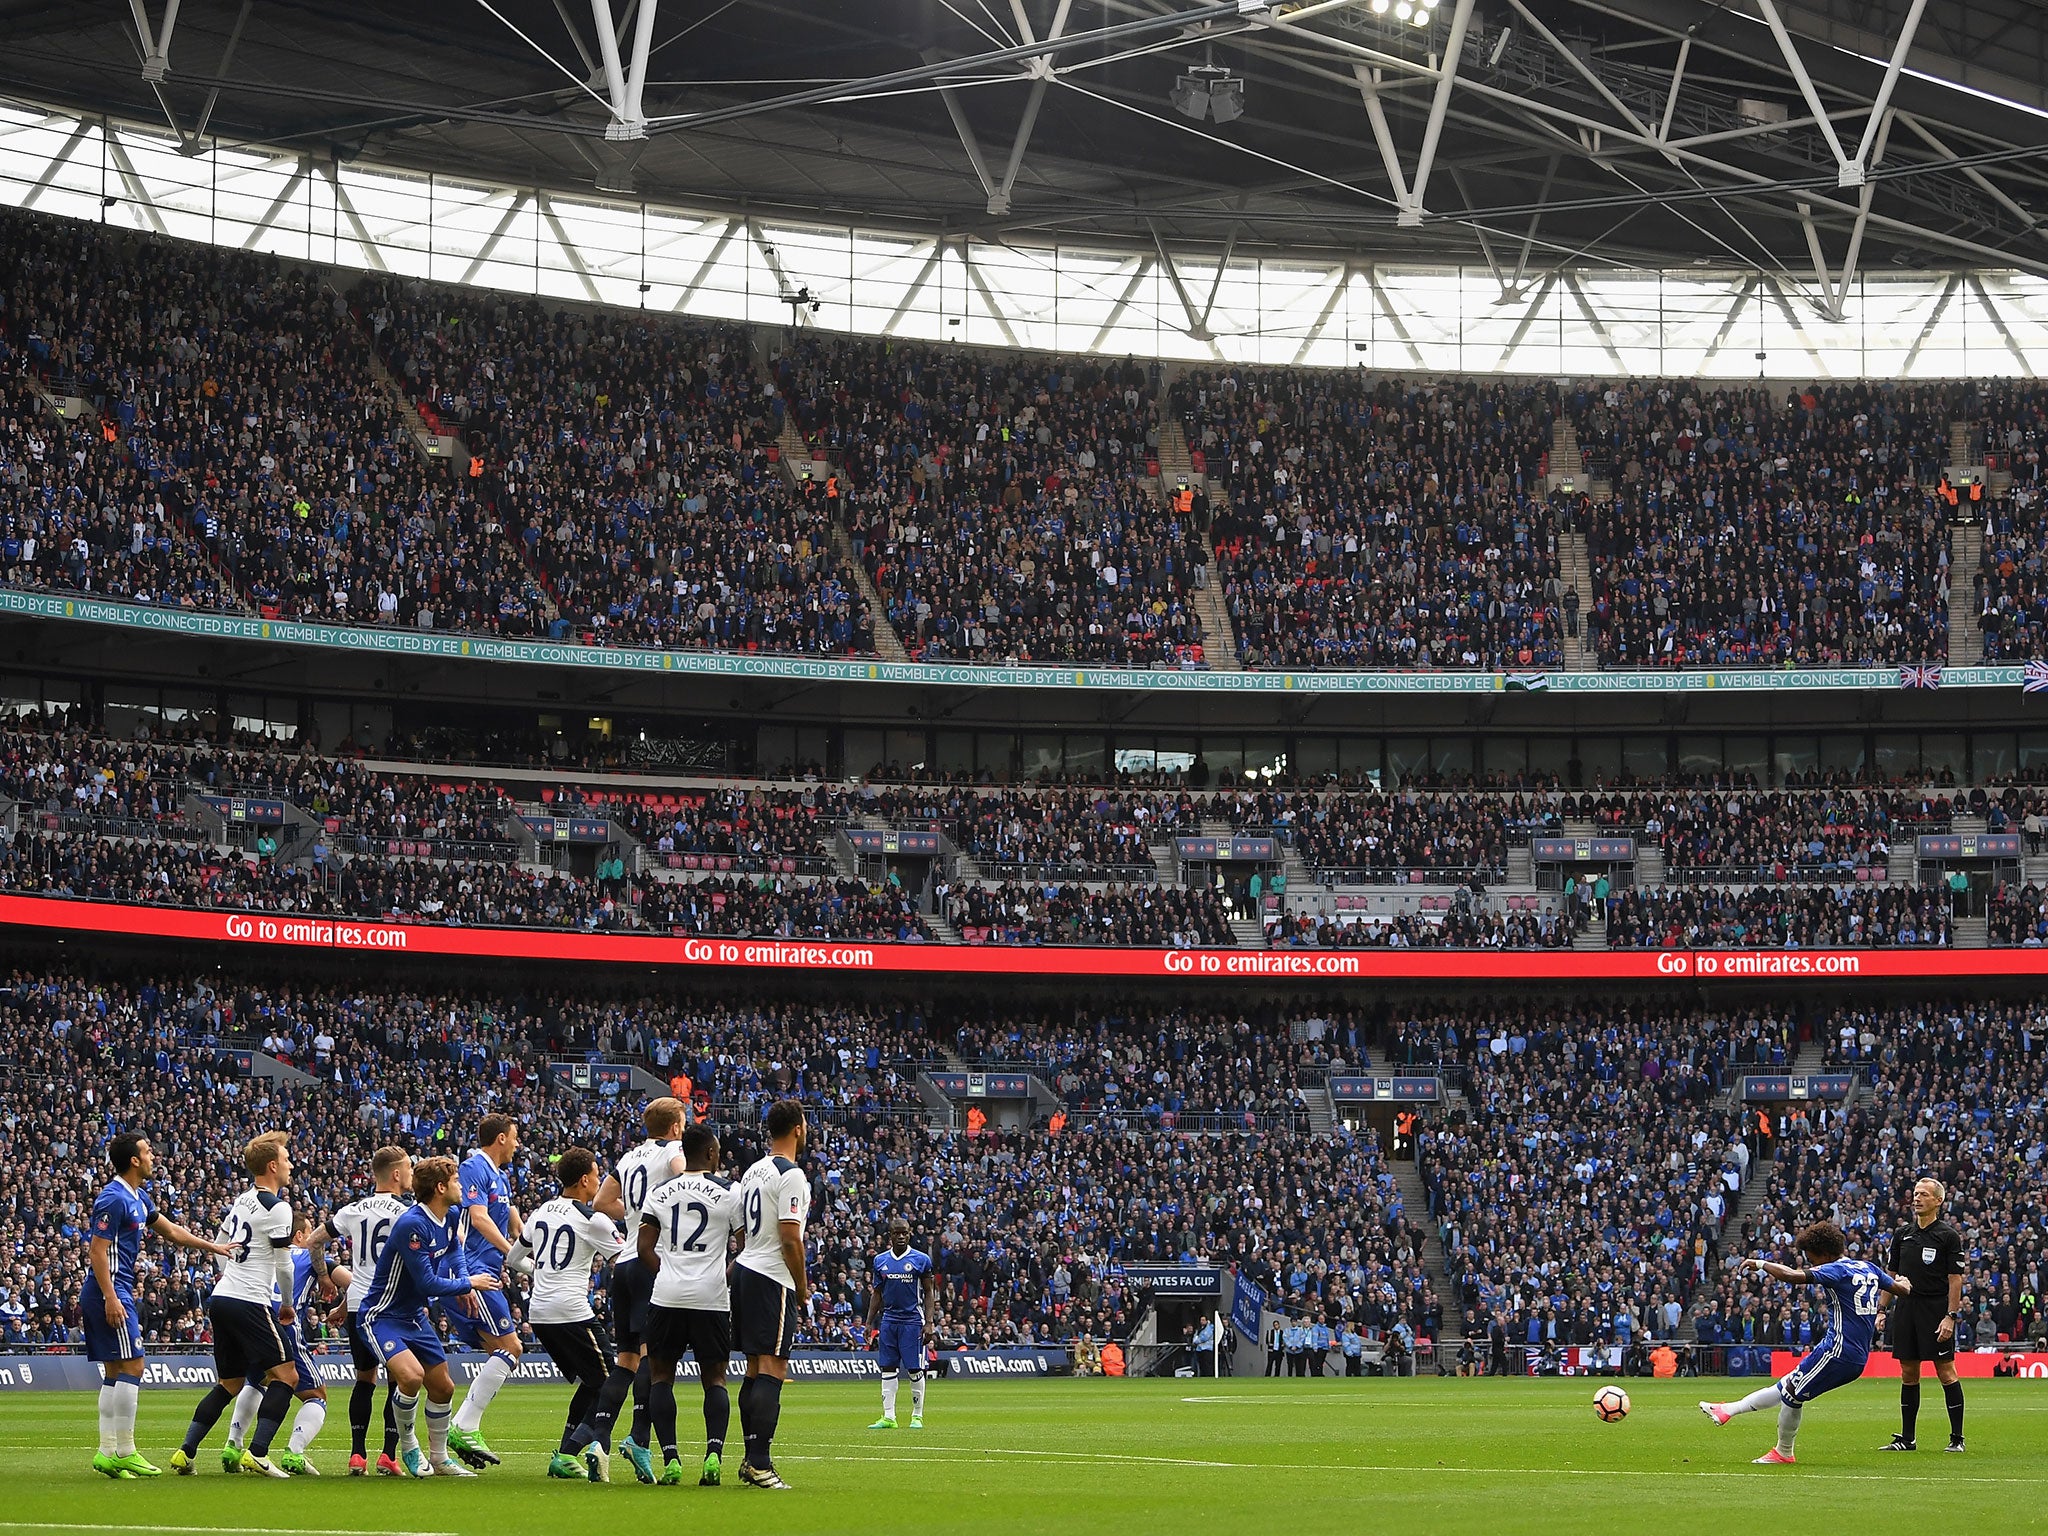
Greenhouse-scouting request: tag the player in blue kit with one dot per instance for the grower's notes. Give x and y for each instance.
(106, 1302)
(1852, 1292)
(422, 1261)
(904, 1286)
(491, 1227)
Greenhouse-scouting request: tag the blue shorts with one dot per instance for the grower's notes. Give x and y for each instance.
(396, 1335)
(102, 1343)
(1823, 1370)
(493, 1319)
(900, 1345)
(295, 1351)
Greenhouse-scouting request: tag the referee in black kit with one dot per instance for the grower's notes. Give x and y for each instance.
(1929, 1253)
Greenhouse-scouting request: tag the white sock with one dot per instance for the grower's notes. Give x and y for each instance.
(917, 1394)
(312, 1414)
(247, 1404)
(1758, 1401)
(888, 1394)
(1788, 1427)
(127, 1395)
(438, 1415)
(493, 1374)
(109, 1419)
(403, 1409)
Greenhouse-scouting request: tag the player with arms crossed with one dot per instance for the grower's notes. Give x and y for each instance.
(560, 1247)
(106, 1302)
(905, 1287)
(365, 1226)
(1852, 1292)
(682, 1241)
(1929, 1254)
(769, 1288)
(250, 1356)
(484, 1322)
(642, 1171)
(422, 1262)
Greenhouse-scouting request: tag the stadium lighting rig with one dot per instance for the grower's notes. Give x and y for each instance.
(1208, 91)
(1415, 13)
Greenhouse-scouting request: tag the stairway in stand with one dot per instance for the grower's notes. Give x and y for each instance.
(1415, 1206)
(1965, 556)
(797, 466)
(446, 450)
(1566, 462)
(1575, 570)
(1249, 931)
(1219, 635)
(941, 930)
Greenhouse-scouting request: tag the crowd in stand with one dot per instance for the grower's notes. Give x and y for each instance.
(1582, 1199)
(1461, 925)
(1954, 1092)
(1003, 506)
(1147, 916)
(1378, 524)
(617, 484)
(1751, 531)
(1779, 917)
(628, 455)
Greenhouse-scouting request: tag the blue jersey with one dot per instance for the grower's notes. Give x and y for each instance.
(1850, 1290)
(422, 1261)
(121, 1215)
(302, 1280)
(484, 1183)
(900, 1277)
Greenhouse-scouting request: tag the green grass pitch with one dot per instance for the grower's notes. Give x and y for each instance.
(1178, 1457)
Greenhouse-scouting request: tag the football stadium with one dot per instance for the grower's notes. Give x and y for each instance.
(1023, 765)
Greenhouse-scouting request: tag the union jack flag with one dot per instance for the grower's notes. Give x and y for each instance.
(2035, 678)
(1924, 676)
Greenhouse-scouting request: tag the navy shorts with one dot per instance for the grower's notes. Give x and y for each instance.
(102, 1343)
(1823, 1370)
(396, 1335)
(632, 1291)
(302, 1362)
(492, 1318)
(900, 1345)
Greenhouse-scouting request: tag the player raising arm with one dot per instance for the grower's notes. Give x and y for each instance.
(106, 1302)
(422, 1262)
(1850, 1296)
(560, 1247)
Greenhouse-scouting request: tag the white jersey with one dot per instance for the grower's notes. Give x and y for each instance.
(640, 1173)
(693, 1214)
(560, 1245)
(258, 1226)
(366, 1225)
(773, 1191)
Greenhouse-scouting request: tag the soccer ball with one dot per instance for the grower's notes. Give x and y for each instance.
(1611, 1404)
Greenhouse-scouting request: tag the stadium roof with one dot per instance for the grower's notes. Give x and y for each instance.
(1623, 133)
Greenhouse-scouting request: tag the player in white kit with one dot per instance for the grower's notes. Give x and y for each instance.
(641, 1171)
(561, 1245)
(365, 1225)
(684, 1240)
(769, 1287)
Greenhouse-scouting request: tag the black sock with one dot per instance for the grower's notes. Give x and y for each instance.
(749, 1397)
(767, 1413)
(205, 1416)
(1953, 1391)
(578, 1415)
(642, 1380)
(717, 1416)
(390, 1424)
(611, 1397)
(362, 1398)
(661, 1411)
(1909, 1409)
(277, 1402)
